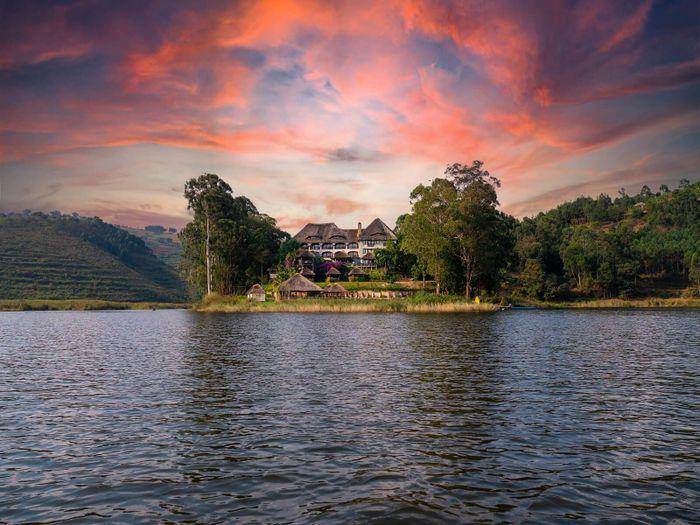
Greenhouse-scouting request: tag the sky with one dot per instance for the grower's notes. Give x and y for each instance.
(333, 111)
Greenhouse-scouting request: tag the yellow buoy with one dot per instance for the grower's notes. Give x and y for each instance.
(477, 300)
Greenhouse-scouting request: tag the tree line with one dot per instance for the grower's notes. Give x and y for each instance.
(589, 247)
(456, 235)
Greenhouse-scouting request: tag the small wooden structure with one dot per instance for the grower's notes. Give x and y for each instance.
(333, 273)
(369, 260)
(298, 286)
(256, 293)
(357, 274)
(308, 272)
(305, 258)
(335, 290)
(342, 256)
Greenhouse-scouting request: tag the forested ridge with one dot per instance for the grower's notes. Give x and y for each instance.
(646, 244)
(607, 247)
(57, 256)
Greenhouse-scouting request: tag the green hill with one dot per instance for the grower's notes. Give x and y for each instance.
(164, 245)
(68, 257)
(642, 245)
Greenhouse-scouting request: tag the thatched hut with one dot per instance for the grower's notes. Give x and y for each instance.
(342, 256)
(357, 274)
(298, 286)
(305, 258)
(335, 290)
(256, 293)
(369, 260)
(308, 273)
(333, 273)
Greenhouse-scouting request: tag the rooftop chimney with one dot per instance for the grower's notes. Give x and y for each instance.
(359, 230)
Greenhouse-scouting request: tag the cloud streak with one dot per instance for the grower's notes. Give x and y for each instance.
(364, 98)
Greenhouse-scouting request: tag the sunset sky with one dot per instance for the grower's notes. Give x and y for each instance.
(334, 111)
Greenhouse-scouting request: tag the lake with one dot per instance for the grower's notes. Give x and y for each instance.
(517, 416)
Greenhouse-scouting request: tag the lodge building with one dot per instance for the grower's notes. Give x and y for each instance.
(354, 246)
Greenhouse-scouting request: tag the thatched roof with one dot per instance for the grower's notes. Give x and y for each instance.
(341, 255)
(255, 289)
(377, 230)
(306, 254)
(326, 232)
(329, 232)
(335, 288)
(298, 283)
(333, 271)
(307, 272)
(357, 271)
(369, 256)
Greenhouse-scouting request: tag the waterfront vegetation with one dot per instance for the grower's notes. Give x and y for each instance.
(19, 305)
(419, 303)
(591, 249)
(652, 302)
(630, 251)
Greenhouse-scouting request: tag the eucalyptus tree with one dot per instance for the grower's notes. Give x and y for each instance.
(229, 243)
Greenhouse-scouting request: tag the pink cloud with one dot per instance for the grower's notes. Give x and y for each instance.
(368, 88)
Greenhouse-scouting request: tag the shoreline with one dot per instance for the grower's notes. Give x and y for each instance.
(405, 305)
(225, 304)
(84, 305)
(620, 304)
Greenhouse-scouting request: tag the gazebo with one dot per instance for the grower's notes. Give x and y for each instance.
(333, 273)
(335, 290)
(256, 293)
(369, 260)
(342, 256)
(298, 286)
(308, 272)
(305, 258)
(357, 274)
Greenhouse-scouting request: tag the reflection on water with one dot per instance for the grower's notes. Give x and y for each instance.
(518, 416)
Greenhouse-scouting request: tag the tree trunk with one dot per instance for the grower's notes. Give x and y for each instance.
(208, 259)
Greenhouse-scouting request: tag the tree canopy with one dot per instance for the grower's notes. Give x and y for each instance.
(242, 242)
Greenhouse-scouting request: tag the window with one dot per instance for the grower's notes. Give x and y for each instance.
(340, 246)
(327, 246)
(304, 245)
(352, 246)
(326, 255)
(374, 243)
(353, 254)
(315, 246)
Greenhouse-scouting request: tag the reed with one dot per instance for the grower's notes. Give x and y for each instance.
(21, 305)
(653, 302)
(409, 305)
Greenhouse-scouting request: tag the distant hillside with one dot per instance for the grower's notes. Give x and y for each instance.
(65, 257)
(165, 245)
(642, 245)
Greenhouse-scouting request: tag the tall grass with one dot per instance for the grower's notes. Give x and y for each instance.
(19, 305)
(416, 304)
(655, 302)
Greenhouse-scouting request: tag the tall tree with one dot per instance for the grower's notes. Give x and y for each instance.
(425, 229)
(229, 244)
(208, 196)
(476, 225)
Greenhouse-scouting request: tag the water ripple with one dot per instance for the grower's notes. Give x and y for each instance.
(176, 417)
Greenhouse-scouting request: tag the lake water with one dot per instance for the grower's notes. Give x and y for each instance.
(518, 416)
